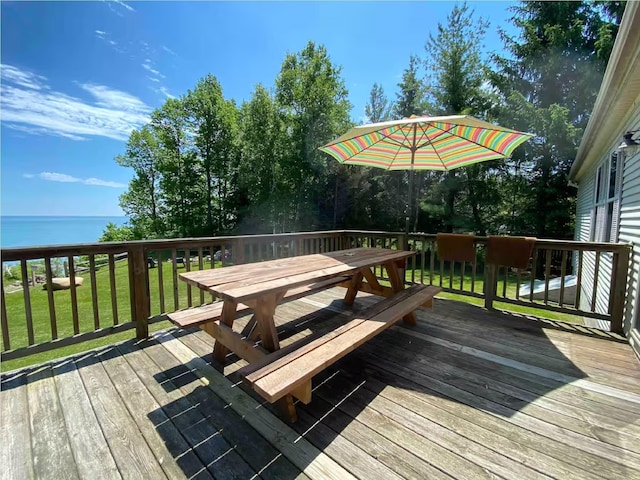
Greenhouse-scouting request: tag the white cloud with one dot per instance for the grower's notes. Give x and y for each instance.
(100, 33)
(40, 131)
(23, 78)
(111, 42)
(168, 50)
(153, 79)
(118, 2)
(164, 91)
(64, 178)
(128, 7)
(148, 66)
(112, 113)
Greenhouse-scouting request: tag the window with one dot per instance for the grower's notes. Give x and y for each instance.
(606, 208)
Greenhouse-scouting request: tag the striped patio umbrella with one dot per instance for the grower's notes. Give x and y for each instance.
(425, 143)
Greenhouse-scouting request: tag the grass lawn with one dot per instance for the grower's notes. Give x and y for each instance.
(62, 298)
(42, 328)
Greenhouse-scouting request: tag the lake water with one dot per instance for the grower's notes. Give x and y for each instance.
(36, 231)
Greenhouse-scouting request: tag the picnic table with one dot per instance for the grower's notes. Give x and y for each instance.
(279, 374)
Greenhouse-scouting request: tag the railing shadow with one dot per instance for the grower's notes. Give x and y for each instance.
(393, 384)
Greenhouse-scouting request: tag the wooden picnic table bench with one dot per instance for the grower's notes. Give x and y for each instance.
(281, 374)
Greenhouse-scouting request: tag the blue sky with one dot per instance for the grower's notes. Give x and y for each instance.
(77, 77)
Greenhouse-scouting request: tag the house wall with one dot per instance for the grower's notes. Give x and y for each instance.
(584, 219)
(630, 232)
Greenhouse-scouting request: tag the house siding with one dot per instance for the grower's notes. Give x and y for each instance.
(584, 218)
(628, 232)
(630, 225)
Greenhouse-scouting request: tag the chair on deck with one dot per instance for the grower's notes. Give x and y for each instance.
(453, 247)
(508, 252)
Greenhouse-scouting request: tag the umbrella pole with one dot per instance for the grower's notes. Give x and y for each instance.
(408, 207)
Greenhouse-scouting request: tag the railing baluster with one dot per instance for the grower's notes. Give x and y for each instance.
(563, 273)
(94, 291)
(187, 263)
(74, 295)
(504, 282)
(27, 301)
(6, 343)
(52, 306)
(534, 266)
(473, 271)
(452, 267)
(174, 272)
(413, 261)
(547, 275)
(595, 282)
(112, 288)
(201, 267)
(579, 280)
(423, 254)
(518, 284)
(432, 256)
(441, 270)
(160, 281)
(462, 269)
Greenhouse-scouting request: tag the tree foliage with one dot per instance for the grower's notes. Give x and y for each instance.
(203, 166)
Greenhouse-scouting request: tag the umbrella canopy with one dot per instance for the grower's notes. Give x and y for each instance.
(425, 143)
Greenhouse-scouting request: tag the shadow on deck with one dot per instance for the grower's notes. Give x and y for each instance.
(465, 394)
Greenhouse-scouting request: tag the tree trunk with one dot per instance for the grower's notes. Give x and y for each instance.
(475, 209)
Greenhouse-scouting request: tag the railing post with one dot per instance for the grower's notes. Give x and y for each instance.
(490, 282)
(139, 288)
(403, 241)
(619, 288)
(238, 254)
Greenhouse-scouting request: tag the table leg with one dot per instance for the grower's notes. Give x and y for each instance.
(354, 286)
(397, 283)
(227, 318)
(288, 409)
(264, 312)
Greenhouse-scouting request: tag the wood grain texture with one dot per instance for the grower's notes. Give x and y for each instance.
(301, 453)
(16, 456)
(52, 455)
(466, 393)
(133, 456)
(90, 449)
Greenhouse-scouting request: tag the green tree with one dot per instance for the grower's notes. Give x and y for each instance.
(549, 84)
(182, 190)
(142, 202)
(312, 97)
(262, 183)
(115, 233)
(378, 108)
(411, 97)
(457, 73)
(212, 122)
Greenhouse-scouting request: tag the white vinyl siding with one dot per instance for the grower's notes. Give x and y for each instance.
(629, 229)
(597, 216)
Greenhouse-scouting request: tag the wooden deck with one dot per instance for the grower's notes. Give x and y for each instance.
(465, 394)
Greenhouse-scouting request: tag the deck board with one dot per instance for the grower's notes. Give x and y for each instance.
(467, 393)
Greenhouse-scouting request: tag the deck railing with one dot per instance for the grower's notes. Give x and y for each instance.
(132, 284)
